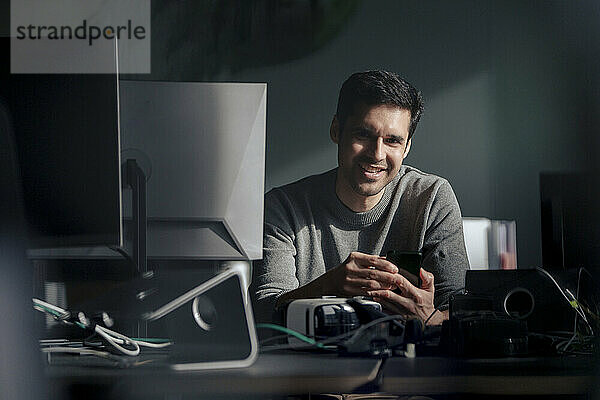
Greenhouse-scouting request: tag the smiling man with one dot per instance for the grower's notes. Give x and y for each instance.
(327, 234)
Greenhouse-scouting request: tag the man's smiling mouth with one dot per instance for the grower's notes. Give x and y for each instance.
(372, 171)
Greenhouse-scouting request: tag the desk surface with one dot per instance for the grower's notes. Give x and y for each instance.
(566, 375)
(301, 373)
(271, 374)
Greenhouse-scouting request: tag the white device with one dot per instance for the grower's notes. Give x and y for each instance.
(323, 317)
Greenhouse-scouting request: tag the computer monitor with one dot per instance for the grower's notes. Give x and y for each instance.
(570, 220)
(66, 129)
(202, 148)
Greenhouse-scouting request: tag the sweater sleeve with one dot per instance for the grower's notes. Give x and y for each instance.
(444, 252)
(275, 274)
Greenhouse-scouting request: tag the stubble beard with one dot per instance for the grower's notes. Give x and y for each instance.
(367, 189)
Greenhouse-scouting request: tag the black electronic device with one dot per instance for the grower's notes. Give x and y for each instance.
(530, 295)
(487, 334)
(409, 264)
(67, 139)
(570, 220)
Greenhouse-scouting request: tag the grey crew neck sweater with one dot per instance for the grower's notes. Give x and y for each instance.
(308, 231)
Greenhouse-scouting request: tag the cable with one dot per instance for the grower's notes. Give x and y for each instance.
(48, 306)
(572, 301)
(576, 315)
(563, 346)
(48, 311)
(362, 328)
(577, 298)
(355, 333)
(323, 344)
(296, 347)
(560, 289)
(57, 312)
(152, 345)
(573, 336)
(115, 339)
(430, 316)
(290, 332)
(326, 343)
(555, 335)
(584, 307)
(75, 350)
(146, 343)
(585, 346)
(152, 340)
(111, 336)
(272, 339)
(437, 309)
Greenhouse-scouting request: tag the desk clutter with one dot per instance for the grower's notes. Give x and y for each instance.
(499, 313)
(491, 344)
(188, 326)
(187, 320)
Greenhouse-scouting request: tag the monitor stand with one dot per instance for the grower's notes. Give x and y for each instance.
(136, 180)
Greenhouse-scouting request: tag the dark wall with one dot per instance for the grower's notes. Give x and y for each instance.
(510, 91)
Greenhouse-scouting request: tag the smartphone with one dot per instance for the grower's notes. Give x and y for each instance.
(408, 263)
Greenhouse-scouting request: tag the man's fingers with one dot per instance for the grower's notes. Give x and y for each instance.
(383, 277)
(427, 280)
(374, 262)
(392, 307)
(370, 284)
(382, 264)
(407, 289)
(392, 298)
(412, 278)
(355, 290)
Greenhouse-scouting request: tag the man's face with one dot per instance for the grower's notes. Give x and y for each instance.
(371, 149)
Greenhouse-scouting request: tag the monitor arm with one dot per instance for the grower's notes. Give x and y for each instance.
(136, 180)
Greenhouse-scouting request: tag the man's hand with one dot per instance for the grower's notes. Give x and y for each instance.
(358, 275)
(411, 300)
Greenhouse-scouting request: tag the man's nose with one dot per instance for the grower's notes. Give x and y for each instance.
(378, 149)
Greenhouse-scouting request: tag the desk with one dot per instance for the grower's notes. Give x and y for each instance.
(300, 373)
(271, 374)
(502, 376)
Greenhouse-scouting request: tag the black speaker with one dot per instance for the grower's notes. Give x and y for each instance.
(529, 295)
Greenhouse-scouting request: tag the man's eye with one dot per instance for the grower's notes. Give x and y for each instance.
(393, 141)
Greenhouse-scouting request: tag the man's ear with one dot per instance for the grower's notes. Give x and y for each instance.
(407, 149)
(334, 130)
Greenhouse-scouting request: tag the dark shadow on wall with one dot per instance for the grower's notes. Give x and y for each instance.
(206, 40)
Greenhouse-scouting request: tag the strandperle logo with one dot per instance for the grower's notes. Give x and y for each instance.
(80, 36)
(84, 31)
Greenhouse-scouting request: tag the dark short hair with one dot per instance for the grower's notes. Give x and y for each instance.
(379, 87)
